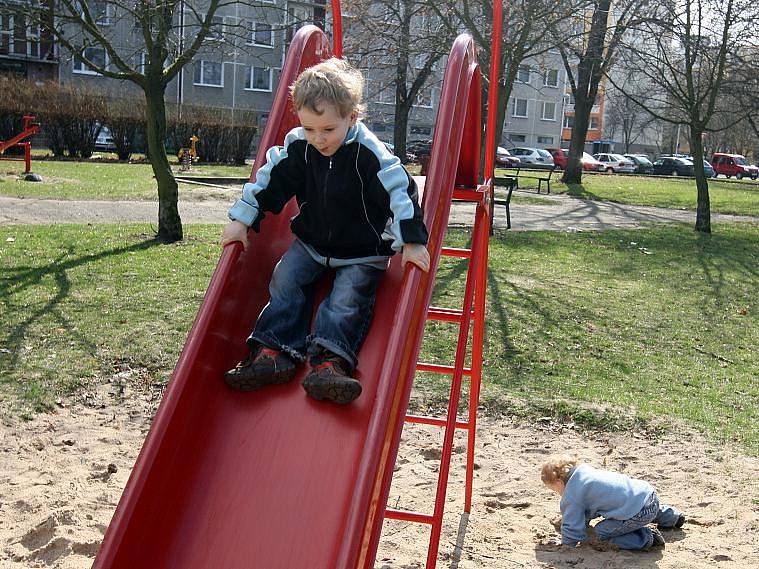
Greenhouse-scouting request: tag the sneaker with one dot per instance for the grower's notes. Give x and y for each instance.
(262, 367)
(658, 539)
(329, 380)
(678, 523)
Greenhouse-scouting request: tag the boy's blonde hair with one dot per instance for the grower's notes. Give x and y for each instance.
(334, 82)
(557, 468)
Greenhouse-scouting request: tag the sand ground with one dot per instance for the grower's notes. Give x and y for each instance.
(61, 476)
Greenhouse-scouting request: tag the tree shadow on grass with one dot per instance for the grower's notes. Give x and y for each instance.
(20, 279)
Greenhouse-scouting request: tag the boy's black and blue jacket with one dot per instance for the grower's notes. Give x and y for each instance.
(359, 202)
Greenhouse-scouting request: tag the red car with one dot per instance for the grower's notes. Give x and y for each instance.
(560, 156)
(734, 165)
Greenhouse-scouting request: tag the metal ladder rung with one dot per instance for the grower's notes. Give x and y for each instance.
(409, 516)
(446, 314)
(454, 252)
(439, 368)
(435, 421)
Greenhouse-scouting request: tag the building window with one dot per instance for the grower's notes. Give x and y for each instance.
(569, 121)
(141, 61)
(258, 78)
(208, 74)
(379, 127)
(103, 13)
(518, 137)
(387, 95)
(523, 74)
(519, 108)
(593, 123)
(551, 78)
(17, 38)
(416, 129)
(548, 112)
(96, 55)
(424, 98)
(260, 34)
(215, 27)
(545, 140)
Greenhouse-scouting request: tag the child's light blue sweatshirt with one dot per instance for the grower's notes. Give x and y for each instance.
(592, 493)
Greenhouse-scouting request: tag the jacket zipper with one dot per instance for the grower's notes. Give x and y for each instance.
(326, 180)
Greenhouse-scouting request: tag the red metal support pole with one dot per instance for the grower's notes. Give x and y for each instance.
(337, 29)
(478, 334)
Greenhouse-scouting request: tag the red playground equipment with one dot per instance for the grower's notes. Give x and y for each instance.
(30, 129)
(274, 479)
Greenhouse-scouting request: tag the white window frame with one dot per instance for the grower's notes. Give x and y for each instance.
(545, 78)
(253, 28)
(418, 102)
(141, 61)
(518, 138)
(520, 70)
(543, 106)
(212, 32)
(590, 124)
(515, 106)
(107, 17)
(565, 123)
(248, 84)
(543, 139)
(390, 88)
(202, 63)
(82, 68)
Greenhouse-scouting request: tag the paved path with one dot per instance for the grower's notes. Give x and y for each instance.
(564, 213)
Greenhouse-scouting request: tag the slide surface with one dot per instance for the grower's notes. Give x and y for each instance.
(273, 479)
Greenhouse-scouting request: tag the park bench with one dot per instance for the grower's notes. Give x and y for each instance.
(510, 183)
(539, 174)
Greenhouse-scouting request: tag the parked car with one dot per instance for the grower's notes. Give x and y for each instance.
(642, 164)
(672, 166)
(708, 170)
(104, 141)
(734, 165)
(614, 163)
(504, 158)
(534, 157)
(561, 156)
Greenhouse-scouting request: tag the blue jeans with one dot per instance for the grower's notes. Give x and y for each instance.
(342, 319)
(633, 533)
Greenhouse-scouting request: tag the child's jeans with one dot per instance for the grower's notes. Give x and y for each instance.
(342, 319)
(633, 533)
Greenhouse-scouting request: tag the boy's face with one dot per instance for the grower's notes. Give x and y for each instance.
(325, 131)
(557, 486)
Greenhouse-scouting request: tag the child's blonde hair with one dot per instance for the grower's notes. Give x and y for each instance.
(557, 468)
(333, 81)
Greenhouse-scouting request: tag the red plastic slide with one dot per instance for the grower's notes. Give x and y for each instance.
(273, 479)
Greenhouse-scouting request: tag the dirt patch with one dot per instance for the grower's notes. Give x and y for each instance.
(63, 473)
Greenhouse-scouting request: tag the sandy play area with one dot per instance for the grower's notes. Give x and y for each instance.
(61, 476)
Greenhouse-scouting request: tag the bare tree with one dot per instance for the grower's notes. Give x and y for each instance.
(526, 33)
(588, 50)
(688, 47)
(623, 115)
(170, 33)
(399, 44)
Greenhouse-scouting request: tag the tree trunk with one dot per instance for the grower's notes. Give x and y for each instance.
(573, 173)
(169, 222)
(703, 208)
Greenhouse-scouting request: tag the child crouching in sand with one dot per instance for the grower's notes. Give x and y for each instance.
(627, 505)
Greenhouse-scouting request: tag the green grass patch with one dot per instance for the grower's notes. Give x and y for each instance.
(676, 193)
(656, 325)
(96, 180)
(610, 330)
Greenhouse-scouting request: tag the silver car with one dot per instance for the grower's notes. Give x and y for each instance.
(533, 157)
(615, 163)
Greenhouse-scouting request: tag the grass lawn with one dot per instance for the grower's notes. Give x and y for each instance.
(642, 326)
(677, 193)
(95, 180)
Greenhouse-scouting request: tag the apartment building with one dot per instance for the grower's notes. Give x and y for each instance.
(536, 107)
(25, 50)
